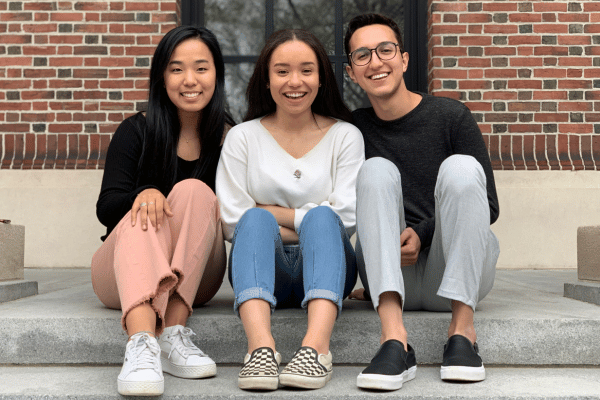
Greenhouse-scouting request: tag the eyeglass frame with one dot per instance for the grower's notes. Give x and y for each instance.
(376, 52)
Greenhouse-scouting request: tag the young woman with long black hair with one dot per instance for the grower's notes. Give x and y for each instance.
(286, 184)
(164, 250)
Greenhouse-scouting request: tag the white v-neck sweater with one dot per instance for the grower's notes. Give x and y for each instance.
(255, 169)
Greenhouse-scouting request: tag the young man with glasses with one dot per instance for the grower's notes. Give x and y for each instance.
(425, 201)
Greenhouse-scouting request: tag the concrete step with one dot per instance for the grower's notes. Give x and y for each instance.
(99, 383)
(525, 320)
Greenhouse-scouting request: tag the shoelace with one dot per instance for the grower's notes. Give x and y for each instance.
(144, 353)
(184, 344)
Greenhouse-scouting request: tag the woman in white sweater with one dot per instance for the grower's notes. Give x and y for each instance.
(286, 184)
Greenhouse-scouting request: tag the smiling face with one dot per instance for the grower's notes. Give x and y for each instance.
(190, 77)
(294, 77)
(380, 79)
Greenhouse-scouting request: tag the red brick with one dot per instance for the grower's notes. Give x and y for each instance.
(474, 84)
(111, 84)
(91, 6)
(90, 28)
(91, 62)
(524, 106)
(525, 128)
(550, 95)
(117, 51)
(37, 95)
(168, 6)
(39, 105)
(9, 150)
(525, 51)
(66, 39)
(37, 117)
(64, 117)
(65, 105)
(502, 73)
(51, 147)
(16, 16)
(478, 106)
(91, 84)
(141, 28)
(65, 83)
(495, 152)
(574, 84)
(116, 28)
(15, 39)
(90, 73)
(104, 142)
(448, 51)
(108, 128)
(117, 17)
(15, 106)
(586, 152)
(525, 17)
(500, 95)
(447, 7)
(41, 17)
(12, 128)
(89, 94)
(573, 17)
(475, 29)
(448, 29)
(549, 73)
(89, 117)
(574, 73)
(525, 84)
(575, 61)
(162, 18)
(6, 61)
(40, 150)
(582, 106)
(574, 151)
(549, 7)
(551, 117)
(15, 84)
(61, 151)
(505, 152)
(551, 51)
(37, 6)
(64, 128)
(592, 117)
(92, 17)
(494, 29)
(73, 151)
(576, 128)
(529, 152)
(500, 51)
(540, 152)
(18, 155)
(92, 161)
(474, 62)
(117, 62)
(574, 40)
(64, 16)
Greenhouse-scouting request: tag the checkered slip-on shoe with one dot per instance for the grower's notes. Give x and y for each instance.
(260, 370)
(307, 369)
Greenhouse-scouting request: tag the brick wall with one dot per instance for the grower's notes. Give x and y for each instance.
(70, 72)
(530, 73)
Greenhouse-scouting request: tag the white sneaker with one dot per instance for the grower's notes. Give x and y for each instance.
(180, 357)
(141, 374)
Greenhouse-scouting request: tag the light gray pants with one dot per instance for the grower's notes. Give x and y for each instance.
(461, 262)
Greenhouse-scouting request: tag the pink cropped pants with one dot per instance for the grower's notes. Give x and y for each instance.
(186, 256)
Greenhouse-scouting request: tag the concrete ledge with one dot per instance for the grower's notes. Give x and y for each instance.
(583, 291)
(12, 251)
(525, 320)
(13, 290)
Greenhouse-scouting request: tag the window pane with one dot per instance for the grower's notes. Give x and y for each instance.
(354, 96)
(391, 9)
(317, 16)
(238, 24)
(237, 77)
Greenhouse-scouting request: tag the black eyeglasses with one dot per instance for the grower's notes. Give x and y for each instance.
(384, 50)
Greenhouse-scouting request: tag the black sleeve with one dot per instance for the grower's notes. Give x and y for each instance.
(467, 139)
(425, 230)
(119, 189)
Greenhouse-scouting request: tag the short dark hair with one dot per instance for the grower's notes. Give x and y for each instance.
(328, 101)
(360, 21)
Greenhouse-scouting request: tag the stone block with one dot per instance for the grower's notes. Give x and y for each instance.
(583, 291)
(13, 290)
(12, 252)
(588, 253)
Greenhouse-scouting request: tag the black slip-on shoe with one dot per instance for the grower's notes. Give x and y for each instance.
(461, 361)
(390, 368)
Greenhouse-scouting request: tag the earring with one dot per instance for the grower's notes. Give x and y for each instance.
(319, 85)
(267, 85)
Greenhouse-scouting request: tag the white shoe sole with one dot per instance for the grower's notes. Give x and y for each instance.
(304, 382)
(127, 388)
(461, 373)
(258, 382)
(385, 382)
(189, 372)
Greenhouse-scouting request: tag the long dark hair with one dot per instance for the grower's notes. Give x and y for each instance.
(158, 163)
(328, 101)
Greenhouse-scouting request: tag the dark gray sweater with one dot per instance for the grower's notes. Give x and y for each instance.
(418, 143)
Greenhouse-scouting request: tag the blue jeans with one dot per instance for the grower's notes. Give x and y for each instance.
(321, 266)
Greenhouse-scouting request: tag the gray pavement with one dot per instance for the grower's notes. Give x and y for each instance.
(85, 382)
(525, 320)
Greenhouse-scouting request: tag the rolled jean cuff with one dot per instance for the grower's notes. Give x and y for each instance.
(323, 294)
(254, 293)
